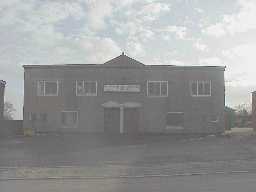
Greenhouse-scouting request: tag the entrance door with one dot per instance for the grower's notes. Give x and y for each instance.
(112, 120)
(131, 120)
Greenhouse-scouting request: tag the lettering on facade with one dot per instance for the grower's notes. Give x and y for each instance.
(121, 88)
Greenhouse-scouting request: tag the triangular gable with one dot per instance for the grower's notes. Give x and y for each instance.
(124, 61)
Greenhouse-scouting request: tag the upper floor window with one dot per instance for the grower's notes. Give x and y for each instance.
(86, 88)
(47, 88)
(158, 88)
(200, 88)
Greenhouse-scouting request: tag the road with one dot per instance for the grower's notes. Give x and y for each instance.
(206, 183)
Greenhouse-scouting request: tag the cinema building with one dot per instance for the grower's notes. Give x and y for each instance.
(124, 96)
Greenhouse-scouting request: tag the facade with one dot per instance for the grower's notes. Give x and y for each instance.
(2, 88)
(254, 110)
(124, 96)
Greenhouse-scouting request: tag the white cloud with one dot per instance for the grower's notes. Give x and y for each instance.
(99, 50)
(151, 11)
(177, 62)
(135, 49)
(97, 12)
(199, 10)
(211, 61)
(29, 35)
(216, 30)
(241, 67)
(136, 25)
(179, 31)
(200, 46)
(231, 24)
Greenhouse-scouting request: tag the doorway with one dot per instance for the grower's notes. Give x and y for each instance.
(112, 120)
(131, 120)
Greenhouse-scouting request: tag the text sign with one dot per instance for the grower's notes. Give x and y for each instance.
(122, 88)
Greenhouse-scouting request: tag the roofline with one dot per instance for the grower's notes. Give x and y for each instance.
(55, 66)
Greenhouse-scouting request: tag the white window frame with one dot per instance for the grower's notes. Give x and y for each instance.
(77, 119)
(49, 81)
(148, 82)
(197, 83)
(88, 94)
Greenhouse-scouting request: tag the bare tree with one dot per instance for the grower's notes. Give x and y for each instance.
(8, 110)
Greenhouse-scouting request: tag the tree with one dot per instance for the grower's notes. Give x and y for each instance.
(243, 115)
(8, 110)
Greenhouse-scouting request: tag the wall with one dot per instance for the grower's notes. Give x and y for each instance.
(199, 111)
(254, 110)
(10, 128)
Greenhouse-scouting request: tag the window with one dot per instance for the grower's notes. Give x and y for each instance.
(86, 88)
(200, 88)
(175, 119)
(157, 88)
(47, 88)
(69, 119)
(43, 117)
(32, 116)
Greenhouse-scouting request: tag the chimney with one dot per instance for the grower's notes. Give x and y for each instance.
(2, 88)
(254, 110)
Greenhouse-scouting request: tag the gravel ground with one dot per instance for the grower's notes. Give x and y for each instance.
(85, 156)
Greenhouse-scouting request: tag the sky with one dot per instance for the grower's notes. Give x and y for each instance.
(167, 32)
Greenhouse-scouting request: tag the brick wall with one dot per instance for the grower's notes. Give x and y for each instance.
(10, 128)
(254, 109)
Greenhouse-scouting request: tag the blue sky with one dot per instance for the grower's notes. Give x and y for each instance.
(177, 32)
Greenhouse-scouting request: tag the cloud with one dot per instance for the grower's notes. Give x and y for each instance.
(216, 30)
(179, 31)
(97, 13)
(241, 67)
(200, 46)
(152, 11)
(136, 26)
(99, 50)
(29, 36)
(211, 61)
(231, 24)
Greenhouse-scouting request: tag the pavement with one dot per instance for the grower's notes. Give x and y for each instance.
(197, 183)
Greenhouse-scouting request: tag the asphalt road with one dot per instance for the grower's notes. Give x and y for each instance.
(206, 183)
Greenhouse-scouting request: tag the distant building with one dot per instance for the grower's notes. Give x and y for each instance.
(124, 96)
(2, 89)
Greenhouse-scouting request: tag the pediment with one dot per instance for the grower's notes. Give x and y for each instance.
(124, 61)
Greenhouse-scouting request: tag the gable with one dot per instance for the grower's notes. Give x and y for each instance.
(124, 61)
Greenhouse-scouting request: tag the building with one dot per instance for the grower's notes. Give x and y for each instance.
(254, 110)
(124, 96)
(2, 89)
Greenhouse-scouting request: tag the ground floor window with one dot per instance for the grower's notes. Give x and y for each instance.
(175, 119)
(69, 119)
